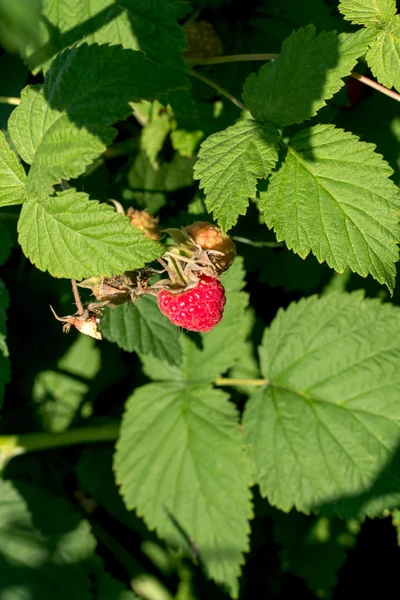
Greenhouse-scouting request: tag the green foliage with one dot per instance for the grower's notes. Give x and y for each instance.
(143, 328)
(333, 196)
(160, 436)
(314, 65)
(42, 551)
(230, 162)
(12, 176)
(368, 12)
(324, 430)
(178, 457)
(314, 548)
(383, 55)
(18, 24)
(95, 239)
(149, 185)
(60, 392)
(61, 127)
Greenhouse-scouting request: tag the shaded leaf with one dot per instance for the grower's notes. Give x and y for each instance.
(59, 393)
(43, 545)
(314, 548)
(142, 328)
(61, 127)
(180, 464)
(325, 430)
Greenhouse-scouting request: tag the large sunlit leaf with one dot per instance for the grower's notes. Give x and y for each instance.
(383, 56)
(309, 71)
(149, 26)
(368, 12)
(61, 127)
(181, 466)
(71, 236)
(229, 164)
(381, 19)
(333, 197)
(325, 429)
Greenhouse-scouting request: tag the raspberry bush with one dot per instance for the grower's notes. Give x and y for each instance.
(203, 195)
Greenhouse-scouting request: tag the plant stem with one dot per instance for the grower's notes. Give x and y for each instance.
(257, 244)
(77, 297)
(10, 100)
(222, 381)
(219, 89)
(14, 445)
(218, 60)
(376, 86)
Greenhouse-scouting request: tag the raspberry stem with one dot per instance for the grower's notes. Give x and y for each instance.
(219, 89)
(77, 298)
(217, 60)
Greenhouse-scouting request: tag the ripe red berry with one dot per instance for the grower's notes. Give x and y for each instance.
(197, 309)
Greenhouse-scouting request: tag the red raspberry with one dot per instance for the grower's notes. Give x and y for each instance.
(198, 309)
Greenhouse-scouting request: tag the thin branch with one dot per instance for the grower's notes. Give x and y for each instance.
(219, 89)
(221, 381)
(77, 297)
(10, 100)
(376, 86)
(257, 244)
(219, 60)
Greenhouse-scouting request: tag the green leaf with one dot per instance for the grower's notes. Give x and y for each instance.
(142, 328)
(12, 176)
(73, 237)
(314, 548)
(309, 71)
(333, 196)
(151, 28)
(4, 360)
(383, 57)
(108, 588)
(61, 127)
(148, 187)
(220, 347)
(154, 135)
(324, 432)
(18, 24)
(43, 546)
(180, 464)
(396, 523)
(368, 12)
(229, 164)
(60, 393)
